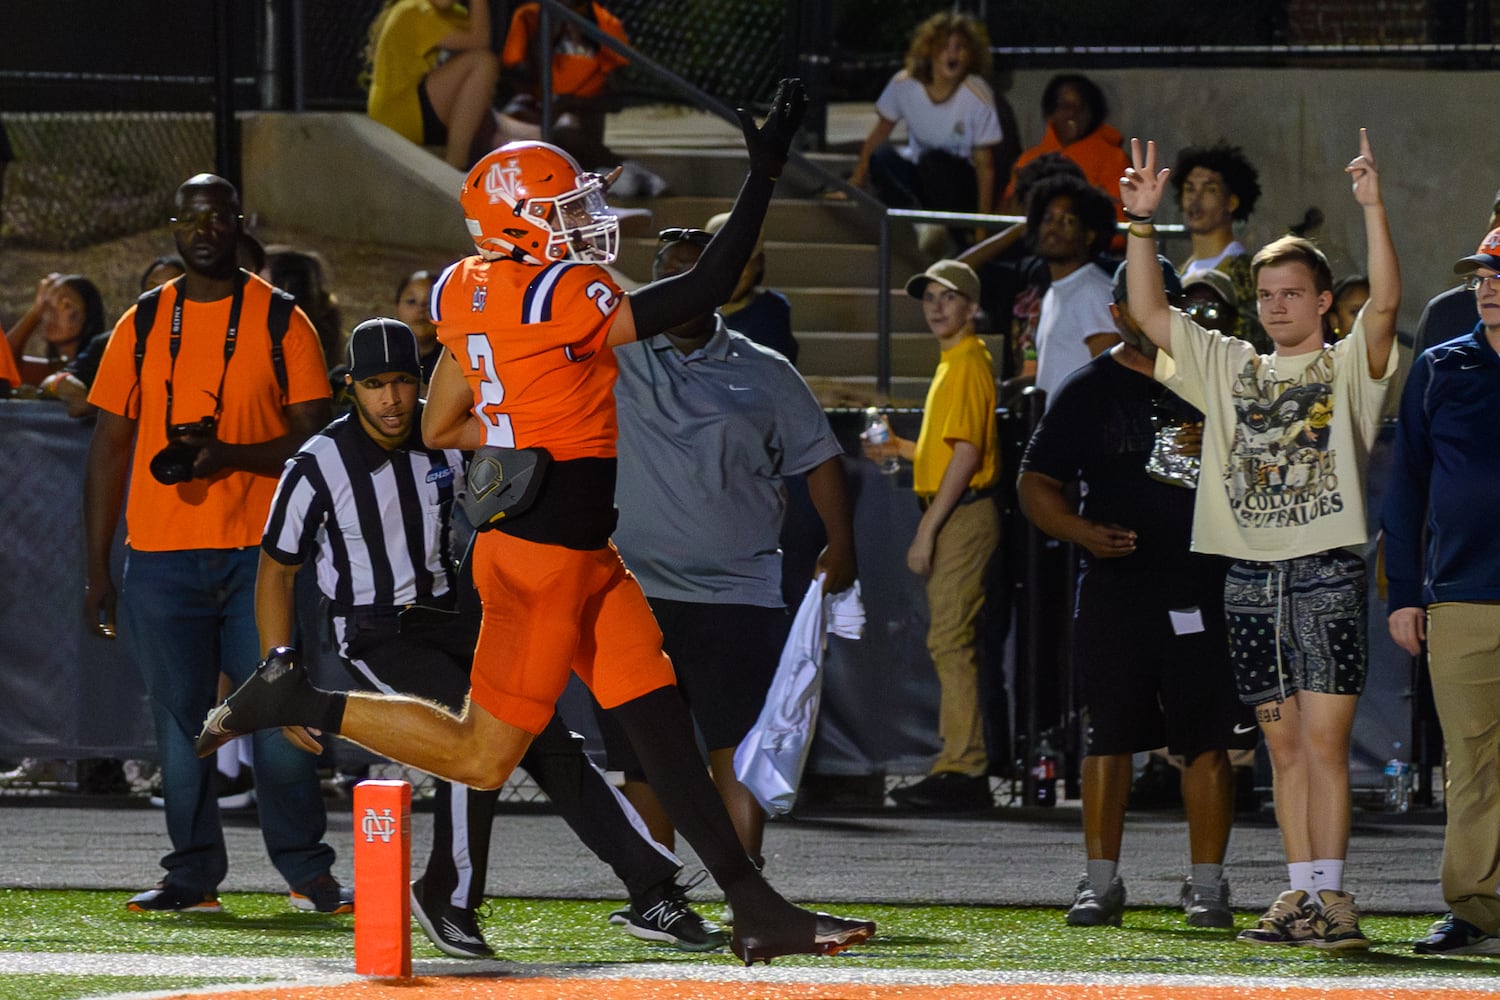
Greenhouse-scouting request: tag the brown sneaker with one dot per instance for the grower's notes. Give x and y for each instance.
(1288, 921)
(1337, 923)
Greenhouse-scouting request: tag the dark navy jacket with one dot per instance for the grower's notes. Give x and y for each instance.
(1446, 478)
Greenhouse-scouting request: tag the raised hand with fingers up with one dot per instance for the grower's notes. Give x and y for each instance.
(768, 145)
(1365, 175)
(1143, 185)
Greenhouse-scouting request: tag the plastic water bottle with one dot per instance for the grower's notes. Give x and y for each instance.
(1397, 785)
(1044, 775)
(878, 431)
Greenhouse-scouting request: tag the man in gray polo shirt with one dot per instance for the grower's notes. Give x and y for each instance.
(710, 423)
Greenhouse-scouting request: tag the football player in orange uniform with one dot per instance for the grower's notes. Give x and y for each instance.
(528, 325)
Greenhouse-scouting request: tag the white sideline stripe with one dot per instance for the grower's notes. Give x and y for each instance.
(286, 973)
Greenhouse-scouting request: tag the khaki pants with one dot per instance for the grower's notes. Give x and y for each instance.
(1464, 650)
(955, 595)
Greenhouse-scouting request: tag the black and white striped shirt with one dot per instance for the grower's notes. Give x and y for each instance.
(378, 522)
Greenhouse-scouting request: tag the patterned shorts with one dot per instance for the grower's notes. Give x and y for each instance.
(1297, 625)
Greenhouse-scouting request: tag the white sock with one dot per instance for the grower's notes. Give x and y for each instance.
(227, 757)
(1300, 873)
(1101, 872)
(1328, 873)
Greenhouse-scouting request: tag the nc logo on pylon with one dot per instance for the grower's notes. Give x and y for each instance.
(382, 825)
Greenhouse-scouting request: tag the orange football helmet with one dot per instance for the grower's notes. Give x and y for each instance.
(533, 199)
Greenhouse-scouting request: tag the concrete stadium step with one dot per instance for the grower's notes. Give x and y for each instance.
(809, 220)
(692, 171)
(835, 353)
(835, 265)
(853, 309)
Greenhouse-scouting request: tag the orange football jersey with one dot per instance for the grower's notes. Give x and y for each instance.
(531, 342)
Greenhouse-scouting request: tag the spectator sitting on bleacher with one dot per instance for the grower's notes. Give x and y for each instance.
(414, 309)
(581, 70)
(431, 75)
(66, 313)
(1075, 109)
(71, 383)
(952, 128)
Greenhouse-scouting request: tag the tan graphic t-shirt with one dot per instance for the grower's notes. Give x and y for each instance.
(1285, 441)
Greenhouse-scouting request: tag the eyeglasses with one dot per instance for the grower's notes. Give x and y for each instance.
(214, 218)
(693, 237)
(1477, 281)
(1206, 312)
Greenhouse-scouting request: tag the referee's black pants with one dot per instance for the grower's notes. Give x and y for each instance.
(427, 653)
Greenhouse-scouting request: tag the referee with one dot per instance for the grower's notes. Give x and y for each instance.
(372, 506)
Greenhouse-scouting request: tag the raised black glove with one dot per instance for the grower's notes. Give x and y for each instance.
(768, 144)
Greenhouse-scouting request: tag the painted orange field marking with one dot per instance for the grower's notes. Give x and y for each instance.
(500, 988)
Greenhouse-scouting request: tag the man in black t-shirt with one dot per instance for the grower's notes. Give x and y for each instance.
(1149, 638)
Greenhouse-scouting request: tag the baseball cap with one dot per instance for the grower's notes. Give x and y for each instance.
(1171, 284)
(1488, 255)
(1221, 284)
(951, 274)
(382, 345)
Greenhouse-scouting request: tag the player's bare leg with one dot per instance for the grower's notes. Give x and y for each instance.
(474, 748)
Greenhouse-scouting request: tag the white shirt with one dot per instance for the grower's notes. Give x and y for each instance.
(1074, 309)
(1234, 249)
(965, 120)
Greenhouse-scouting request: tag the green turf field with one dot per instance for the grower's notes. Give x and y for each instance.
(1153, 942)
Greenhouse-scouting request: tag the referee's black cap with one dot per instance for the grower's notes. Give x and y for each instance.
(382, 345)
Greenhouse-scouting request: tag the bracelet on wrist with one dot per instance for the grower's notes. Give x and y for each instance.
(1136, 218)
(1147, 232)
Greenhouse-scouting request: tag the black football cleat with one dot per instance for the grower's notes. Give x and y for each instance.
(259, 703)
(830, 935)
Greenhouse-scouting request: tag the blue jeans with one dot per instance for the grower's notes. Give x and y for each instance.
(188, 615)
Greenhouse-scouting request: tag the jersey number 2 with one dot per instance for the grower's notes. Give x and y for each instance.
(497, 429)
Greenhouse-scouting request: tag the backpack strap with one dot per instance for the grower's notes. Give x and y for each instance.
(277, 320)
(145, 318)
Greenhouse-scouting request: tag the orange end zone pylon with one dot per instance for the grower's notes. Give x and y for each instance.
(382, 879)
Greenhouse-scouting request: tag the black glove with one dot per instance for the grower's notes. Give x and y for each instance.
(769, 143)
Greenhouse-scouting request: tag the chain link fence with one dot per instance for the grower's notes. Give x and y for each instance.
(83, 178)
(733, 51)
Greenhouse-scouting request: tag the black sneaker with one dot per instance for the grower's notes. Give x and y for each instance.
(1093, 908)
(1206, 905)
(452, 929)
(662, 913)
(259, 703)
(946, 791)
(1455, 936)
(164, 898)
(323, 894)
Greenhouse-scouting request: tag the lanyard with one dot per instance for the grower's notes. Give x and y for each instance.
(231, 335)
